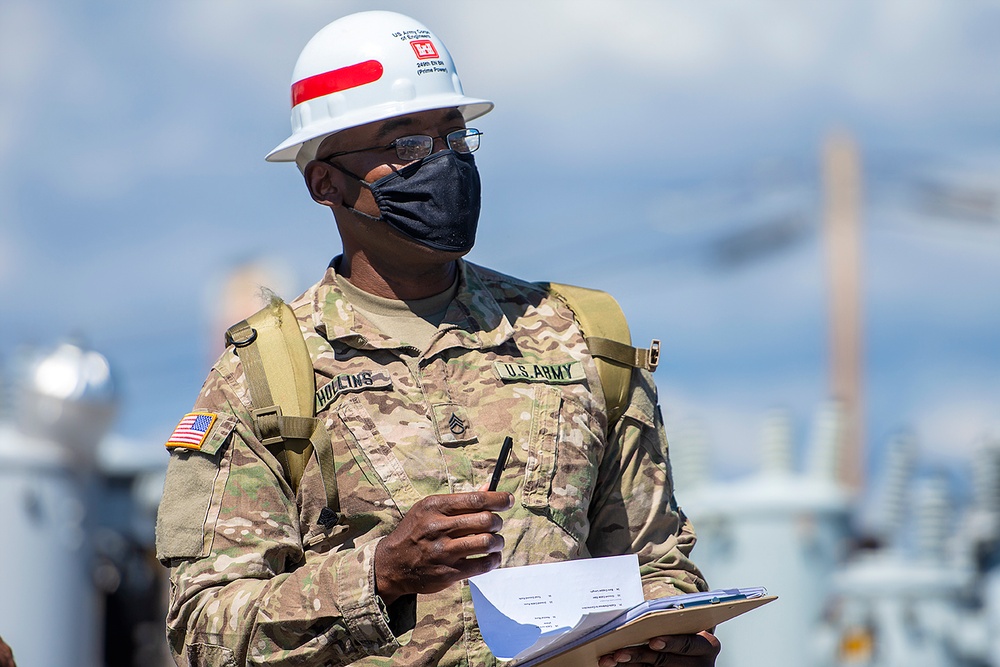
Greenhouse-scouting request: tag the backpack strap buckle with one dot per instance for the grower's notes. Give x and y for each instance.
(653, 356)
(626, 355)
(268, 421)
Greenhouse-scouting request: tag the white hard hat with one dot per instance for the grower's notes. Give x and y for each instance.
(368, 67)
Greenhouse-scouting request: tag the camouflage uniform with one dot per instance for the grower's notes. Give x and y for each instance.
(255, 576)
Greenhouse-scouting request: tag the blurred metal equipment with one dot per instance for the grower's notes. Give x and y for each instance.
(918, 587)
(80, 585)
(780, 529)
(63, 406)
(921, 599)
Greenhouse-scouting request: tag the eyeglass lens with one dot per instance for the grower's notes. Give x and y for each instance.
(417, 146)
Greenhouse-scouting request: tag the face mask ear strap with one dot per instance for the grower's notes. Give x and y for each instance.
(359, 180)
(363, 214)
(347, 171)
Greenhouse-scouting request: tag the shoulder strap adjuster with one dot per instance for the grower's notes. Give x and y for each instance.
(653, 360)
(269, 424)
(626, 355)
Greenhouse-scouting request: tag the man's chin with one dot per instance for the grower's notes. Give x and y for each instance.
(419, 250)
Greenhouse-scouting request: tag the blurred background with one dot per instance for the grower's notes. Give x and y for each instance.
(801, 200)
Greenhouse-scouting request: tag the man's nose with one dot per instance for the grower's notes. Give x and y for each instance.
(444, 144)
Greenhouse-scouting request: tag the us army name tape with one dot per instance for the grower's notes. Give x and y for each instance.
(513, 371)
(348, 382)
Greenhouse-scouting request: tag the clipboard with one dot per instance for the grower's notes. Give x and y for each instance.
(654, 624)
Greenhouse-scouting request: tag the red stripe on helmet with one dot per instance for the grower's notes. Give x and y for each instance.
(335, 81)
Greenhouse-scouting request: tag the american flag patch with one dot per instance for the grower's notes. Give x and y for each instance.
(192, 430)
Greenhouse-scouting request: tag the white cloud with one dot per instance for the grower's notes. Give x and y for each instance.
(817, 44)
(721, 435)
(10, 265)
(728, 426)
(25, 45)
(115, 164)
(522, 48)
(947, 274)
(949, 429)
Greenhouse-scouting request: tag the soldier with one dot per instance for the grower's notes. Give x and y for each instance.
(423, 364)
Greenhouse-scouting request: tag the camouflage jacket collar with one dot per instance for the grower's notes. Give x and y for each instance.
(474, 319)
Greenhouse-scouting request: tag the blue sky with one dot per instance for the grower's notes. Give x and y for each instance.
(629, 141)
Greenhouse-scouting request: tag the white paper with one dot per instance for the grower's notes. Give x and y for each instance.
(523, 610)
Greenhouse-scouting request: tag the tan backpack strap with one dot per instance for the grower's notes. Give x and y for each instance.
(606, 333)
(286, 362)
(636, 357)
(282, 388)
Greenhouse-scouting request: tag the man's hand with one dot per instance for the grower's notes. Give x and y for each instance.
(6, 656)
(698, 650)
(441, 540)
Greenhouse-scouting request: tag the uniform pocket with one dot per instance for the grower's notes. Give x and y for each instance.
(192, 493)
(564, 453)
(378, 454)
(210, 654)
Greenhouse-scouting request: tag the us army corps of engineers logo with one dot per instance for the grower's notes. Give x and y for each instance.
(428, 58)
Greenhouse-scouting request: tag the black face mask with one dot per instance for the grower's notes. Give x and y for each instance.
(434, 201)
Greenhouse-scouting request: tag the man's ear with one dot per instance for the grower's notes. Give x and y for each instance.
(325, 184)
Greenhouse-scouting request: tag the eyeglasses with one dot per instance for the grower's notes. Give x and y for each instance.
(418, 146)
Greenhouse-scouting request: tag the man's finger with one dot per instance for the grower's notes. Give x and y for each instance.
(474, 501)
(476, 545)
(703, 643)
(470, 567)
(686, 650)
(473, 524)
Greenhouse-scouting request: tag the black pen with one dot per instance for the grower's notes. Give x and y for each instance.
(508, 443)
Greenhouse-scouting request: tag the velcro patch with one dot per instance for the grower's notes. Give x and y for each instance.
(349, 382)
(452, 424)
(192, 430)
(521, 371)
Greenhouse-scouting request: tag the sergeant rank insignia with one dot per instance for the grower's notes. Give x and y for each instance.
(192, 430)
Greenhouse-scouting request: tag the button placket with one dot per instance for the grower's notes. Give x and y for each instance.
(541, 457)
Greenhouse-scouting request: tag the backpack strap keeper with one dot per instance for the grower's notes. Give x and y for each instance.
(273, 426)
(636, 357)
(268, 422)
(605, 331)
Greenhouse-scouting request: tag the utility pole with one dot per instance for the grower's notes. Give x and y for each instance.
(842, 229)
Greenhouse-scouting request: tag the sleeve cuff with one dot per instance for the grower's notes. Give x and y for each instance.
(366, 616)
